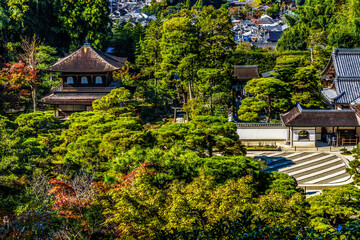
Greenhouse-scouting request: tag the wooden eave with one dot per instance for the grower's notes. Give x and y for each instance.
(329, 70)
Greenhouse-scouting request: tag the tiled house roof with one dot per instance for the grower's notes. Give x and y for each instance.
(299, 117)
(274, 36)
(344, 64)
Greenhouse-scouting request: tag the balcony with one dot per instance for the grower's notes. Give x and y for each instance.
(94, 89)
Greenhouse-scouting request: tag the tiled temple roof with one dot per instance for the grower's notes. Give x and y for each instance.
(88, 59)
(246, 72)
(345, 64)
(72, 98)
(79, 96)
(299, 117)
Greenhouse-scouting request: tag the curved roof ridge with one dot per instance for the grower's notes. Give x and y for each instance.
(88, 59)
(346, 50)
(100, 54)
(63, 59)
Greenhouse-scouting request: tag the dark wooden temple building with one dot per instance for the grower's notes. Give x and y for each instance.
(86, 76)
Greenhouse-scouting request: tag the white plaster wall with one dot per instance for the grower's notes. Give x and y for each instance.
(302, 142)
(247, 133)
(297, 131)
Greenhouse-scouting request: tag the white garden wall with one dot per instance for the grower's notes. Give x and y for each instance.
(255, 134)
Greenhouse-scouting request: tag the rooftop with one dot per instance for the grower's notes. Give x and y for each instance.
(345, 62)
(299, 117)
(72, 98)
(246, 72)
(88, 59)
(343, 69)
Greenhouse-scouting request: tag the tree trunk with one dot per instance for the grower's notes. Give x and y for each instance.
(312, 54)
(156, 106)
(269, 110)
(190, 91)
(211, 102)
(33, 93)
(210, 146)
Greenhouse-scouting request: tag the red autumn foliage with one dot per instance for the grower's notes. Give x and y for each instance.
(125, 180)
(69, 201)
(19, 73)
(16, 82)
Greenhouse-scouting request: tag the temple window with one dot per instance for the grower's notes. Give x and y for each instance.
(69, 80)
(84, 80)
(98, 80)
(304, 135)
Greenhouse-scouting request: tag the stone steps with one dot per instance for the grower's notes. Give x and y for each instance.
(340, 180)
(280, 163)
(302, 154)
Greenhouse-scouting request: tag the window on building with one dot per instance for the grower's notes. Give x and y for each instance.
(304, 135)
(84, 80)
(98, 80)
(69, 80)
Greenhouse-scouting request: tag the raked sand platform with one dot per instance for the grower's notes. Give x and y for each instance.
(312, 170)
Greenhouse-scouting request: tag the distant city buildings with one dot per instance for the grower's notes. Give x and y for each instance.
(130, 11)
(262, 32)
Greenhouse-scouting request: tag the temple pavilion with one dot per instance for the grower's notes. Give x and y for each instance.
(86, 76)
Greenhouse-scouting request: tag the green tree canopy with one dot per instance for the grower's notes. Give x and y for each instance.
(270, 97)
(85, 19)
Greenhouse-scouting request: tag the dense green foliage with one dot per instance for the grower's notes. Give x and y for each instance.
(58, 23)
(178, 57)
(338, 20)
(116, 176)
(125, 40)
(126, 170)
(270, 96)
(85, 19)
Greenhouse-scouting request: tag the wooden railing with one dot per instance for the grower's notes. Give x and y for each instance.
(61, 88)
(349, 141)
